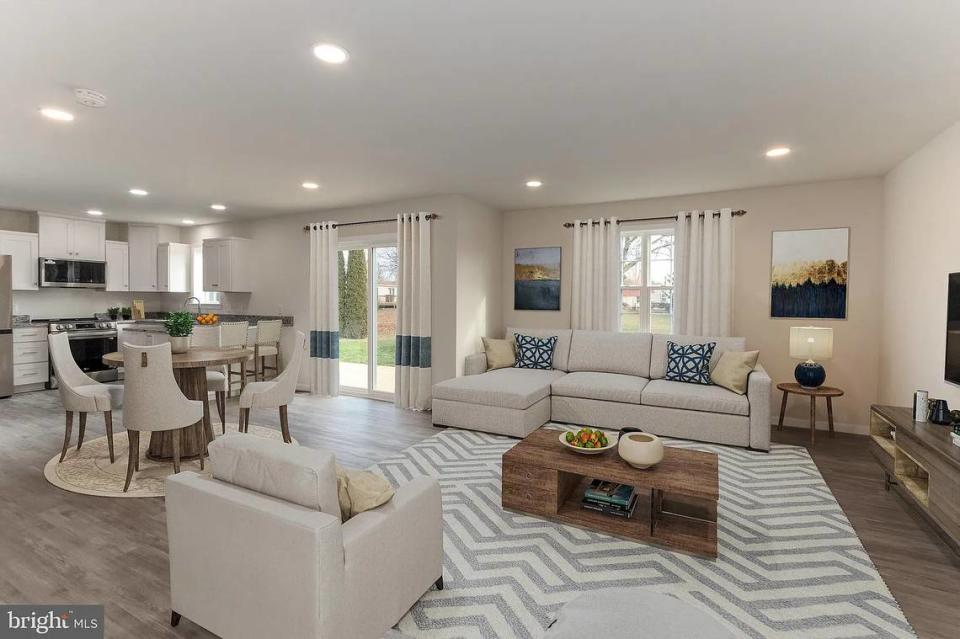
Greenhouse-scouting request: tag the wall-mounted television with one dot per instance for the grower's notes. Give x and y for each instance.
(952, 367)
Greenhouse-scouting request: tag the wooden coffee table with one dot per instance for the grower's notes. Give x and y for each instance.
(677, 504)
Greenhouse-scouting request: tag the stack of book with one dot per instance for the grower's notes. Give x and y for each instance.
(611, 498)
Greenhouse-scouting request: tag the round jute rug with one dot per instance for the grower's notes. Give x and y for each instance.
(88, 471)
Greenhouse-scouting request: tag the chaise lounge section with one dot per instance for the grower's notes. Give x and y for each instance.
(607, 380)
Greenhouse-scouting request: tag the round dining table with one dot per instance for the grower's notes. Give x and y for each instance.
(190, 371)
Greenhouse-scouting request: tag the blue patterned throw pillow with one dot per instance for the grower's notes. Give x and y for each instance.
(535, 352)
(689, 363)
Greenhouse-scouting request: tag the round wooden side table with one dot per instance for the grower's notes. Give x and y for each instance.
(828, 392)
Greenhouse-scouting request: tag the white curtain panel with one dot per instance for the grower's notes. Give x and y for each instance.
(413, 359)
(596, 275)
(324, 310)
(703, 273)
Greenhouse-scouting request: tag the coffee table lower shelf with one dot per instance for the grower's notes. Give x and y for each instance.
(678, 523)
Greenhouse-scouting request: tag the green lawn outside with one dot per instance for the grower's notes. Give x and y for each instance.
(659, 322)
(355, 351)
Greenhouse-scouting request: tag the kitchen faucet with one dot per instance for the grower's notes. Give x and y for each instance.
(187, 301)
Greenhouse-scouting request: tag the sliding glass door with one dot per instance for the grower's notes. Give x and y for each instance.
(368, 274)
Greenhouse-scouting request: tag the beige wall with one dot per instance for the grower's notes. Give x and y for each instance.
(922, 222)
(479, 310)
(280, 280)
(854, 203)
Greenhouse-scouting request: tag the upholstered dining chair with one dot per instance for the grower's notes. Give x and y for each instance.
(276, 393)
(81, 394)
(209, 337)
(154, 402)
(234, 335)
(267, 345)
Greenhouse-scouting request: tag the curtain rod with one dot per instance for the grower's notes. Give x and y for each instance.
(570, 225)
(428, 216)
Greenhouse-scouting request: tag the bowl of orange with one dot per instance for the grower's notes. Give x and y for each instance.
(208, 319)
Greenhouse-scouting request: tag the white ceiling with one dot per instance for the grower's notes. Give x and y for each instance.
(222, 100)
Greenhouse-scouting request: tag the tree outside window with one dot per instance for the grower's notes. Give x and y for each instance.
(646, 281)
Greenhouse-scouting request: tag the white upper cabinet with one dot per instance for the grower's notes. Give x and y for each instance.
(24, 249)
(118, 266)
(173, 267)
(226, 265)
(143, 241)
(71, 239)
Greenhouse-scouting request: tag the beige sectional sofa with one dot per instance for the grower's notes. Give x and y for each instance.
(607, 380)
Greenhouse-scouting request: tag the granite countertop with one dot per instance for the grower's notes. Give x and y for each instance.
(24, 321)
(155, 317)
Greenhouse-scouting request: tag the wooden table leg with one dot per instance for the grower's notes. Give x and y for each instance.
(830, 414)
(813, 420)
(243, 374)
(783, 409)
(193, 383)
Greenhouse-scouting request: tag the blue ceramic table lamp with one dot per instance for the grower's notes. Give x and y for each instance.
(810, 343)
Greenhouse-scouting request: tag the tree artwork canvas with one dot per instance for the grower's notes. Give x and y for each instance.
(809, 272)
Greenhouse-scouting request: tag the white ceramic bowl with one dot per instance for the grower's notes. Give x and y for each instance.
(611, 442)
(640, 450)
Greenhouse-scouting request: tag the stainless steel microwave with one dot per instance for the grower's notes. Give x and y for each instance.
(59, 273)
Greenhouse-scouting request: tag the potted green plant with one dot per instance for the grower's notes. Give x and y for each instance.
(126, 313)
(179, 325)
(114, 312)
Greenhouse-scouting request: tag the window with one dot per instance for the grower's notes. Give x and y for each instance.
(212, 299)
(646, 280)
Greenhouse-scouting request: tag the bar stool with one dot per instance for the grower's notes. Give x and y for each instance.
(234, 335)
(267, 345)
(209, 337)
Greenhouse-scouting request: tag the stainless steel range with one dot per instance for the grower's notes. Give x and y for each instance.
(90, 340)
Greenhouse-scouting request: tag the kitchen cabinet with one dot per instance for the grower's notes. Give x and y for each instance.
(31, 369)
(24, 248)
(142, 243)
(173, 267)
(71, 238)
(118, 266)
(226, 265)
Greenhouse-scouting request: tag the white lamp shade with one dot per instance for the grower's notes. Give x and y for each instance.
(811, 342)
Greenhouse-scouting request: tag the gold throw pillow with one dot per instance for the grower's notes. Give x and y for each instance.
(732, 370)
(361, 490)
(501, 353)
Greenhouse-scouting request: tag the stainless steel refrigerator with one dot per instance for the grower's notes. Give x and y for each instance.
(6, 326)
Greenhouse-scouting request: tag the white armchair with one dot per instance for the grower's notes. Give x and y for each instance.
(154, 402)
(276, 393)
(81, 394)
(259, 550)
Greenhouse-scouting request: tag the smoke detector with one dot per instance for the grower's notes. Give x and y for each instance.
(90, 98)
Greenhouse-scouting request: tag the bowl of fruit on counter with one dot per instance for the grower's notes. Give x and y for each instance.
(588, 441)
(209, 319)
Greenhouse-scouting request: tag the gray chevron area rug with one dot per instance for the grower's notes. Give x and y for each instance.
(790, 564)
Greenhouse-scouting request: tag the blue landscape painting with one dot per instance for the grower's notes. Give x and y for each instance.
(536, 279)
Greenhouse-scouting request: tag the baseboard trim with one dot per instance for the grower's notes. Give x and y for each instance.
(840, 427)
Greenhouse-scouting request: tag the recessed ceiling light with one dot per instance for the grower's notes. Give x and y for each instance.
(56, 114)
(139, 192)
(218, 207)
(778, 152)
(534, 184)
(95, 212)
(310, 186)
(188, 222)
(331, 53)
